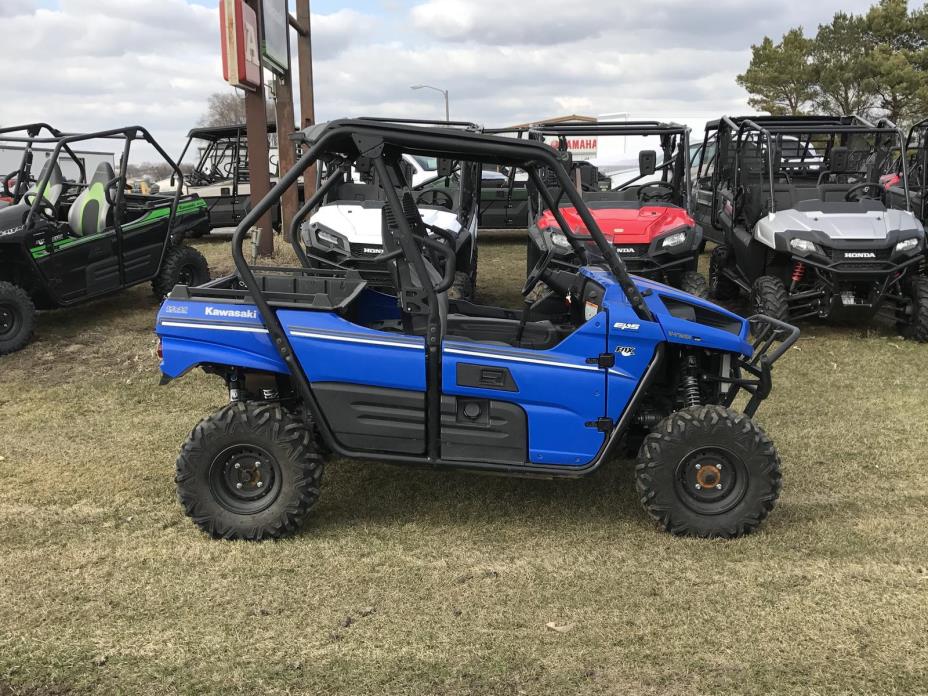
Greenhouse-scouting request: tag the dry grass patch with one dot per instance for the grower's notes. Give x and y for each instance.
(418, 582)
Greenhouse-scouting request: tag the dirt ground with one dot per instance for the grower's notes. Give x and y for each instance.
(417, 582)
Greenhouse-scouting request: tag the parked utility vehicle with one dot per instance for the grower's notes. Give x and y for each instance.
(68, 242)
(345, 230)
(645, 214)
(220, 176)
(806, 231)
(317, 364)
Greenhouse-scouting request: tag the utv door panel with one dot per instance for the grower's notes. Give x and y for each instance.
(81, 268)
(373, 418)
(483, 430)
(560, 393)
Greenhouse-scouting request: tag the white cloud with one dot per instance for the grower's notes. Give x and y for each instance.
(92, 64)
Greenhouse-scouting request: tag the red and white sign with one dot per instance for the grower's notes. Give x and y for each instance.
(241, 56)
(581, 147)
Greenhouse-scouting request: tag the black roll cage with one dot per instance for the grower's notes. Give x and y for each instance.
(352, 138)
(128, 134)
(234, 133)
(918, 132)
(33, 130)
(768, 127)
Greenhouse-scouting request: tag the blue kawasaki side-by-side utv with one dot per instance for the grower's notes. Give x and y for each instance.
(318, 364)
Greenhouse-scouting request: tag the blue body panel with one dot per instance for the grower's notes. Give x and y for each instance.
(559, 390)
(556, 388)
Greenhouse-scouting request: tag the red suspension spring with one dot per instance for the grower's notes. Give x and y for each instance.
(799, 272)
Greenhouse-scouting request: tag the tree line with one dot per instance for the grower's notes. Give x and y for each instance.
(873, 65)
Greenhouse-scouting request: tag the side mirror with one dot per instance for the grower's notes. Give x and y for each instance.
(647, 162)
(445, 167)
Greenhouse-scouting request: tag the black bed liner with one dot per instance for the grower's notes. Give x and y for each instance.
(323, 290)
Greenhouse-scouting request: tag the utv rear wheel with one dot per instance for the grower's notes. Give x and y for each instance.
(17, 318)
(914, 326)
(694, 284)
(769, 297)
(708, 471)
(183, 265)
(249, 471)
(721, 287)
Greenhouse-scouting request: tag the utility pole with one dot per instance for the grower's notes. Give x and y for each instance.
(259, 175)
(307, 97)
(286, 152)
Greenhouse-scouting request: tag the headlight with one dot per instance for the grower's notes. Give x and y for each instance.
(907, 245)
(803, 245)
(559, 240)
(328, 238)
(674, 240)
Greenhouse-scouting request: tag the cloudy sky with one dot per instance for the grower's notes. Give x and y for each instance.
(91, 64)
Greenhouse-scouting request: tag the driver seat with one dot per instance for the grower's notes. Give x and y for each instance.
(55, 186)
(90, 211)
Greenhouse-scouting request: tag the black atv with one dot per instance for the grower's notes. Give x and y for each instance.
(65, 242)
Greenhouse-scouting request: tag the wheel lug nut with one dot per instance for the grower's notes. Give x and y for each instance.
(698, 467)
(238, 465)
(718, 466)
(698, 487)
(718, 486)
(260, 483)
(238, 485)
(257, 465)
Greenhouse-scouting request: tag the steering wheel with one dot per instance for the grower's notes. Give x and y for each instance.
(538, 272)
(435, 194)
(45, 208)
(856, 192)
(665, 192)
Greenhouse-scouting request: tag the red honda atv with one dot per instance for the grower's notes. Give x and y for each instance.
(644, 210)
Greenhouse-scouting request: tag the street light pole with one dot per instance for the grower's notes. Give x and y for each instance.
(443, 92)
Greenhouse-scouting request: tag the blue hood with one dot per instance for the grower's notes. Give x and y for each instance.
(684, 319)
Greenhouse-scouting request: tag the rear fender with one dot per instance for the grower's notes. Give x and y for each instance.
(201, 333)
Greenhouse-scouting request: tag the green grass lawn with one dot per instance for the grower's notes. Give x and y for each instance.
(417, 582)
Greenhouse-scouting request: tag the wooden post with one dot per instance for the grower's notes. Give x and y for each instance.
(259, 174)
(307, 98)
(289, 204)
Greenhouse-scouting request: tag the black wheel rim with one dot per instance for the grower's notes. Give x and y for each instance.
(711, 480)
(245, 479)
(9, 320)
(188, 275)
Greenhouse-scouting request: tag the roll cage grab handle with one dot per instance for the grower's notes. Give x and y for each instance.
(129, 134)
(821, 126)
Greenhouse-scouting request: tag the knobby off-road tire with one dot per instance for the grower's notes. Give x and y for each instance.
(708, 471)
(915, 327)
(721, 287)
(694, 284)
(249, 471)
(17, 318)
(183, 265)
(768, 296)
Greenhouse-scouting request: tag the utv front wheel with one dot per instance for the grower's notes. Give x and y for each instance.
(768, 296)
(914, 326)
(693, 283)
(708, 471)
(249, 471)
(183, 265)
(17, 318)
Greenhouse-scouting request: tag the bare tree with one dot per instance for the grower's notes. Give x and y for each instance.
(228, 109)
(224, 109)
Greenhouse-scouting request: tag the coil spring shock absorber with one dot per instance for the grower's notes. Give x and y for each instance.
(689, 384)
(799, 272)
